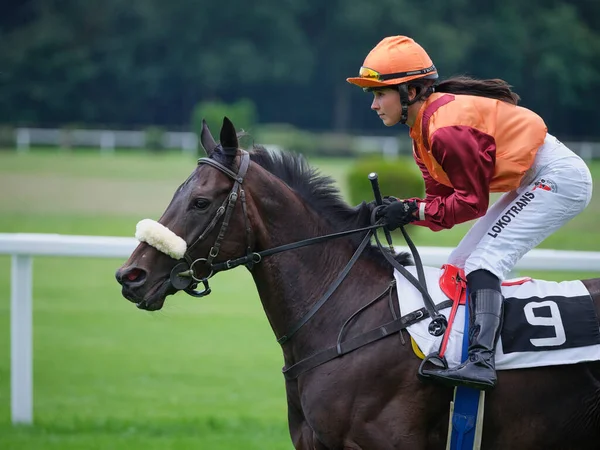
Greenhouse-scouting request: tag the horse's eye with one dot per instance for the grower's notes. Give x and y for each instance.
(201, 203)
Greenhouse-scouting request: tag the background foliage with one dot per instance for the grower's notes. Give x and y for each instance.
(149, 62)
(399, 177)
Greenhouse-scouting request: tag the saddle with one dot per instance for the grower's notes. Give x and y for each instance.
(545, 322)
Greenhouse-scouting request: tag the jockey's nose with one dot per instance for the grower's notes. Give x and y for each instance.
(375, 104)
(130, 276)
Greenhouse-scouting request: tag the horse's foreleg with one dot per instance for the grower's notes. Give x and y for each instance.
(302, 434)
(304, 438)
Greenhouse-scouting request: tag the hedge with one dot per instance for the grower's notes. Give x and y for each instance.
(398, 177)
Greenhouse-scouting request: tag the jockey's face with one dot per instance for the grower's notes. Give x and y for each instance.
(386, 103)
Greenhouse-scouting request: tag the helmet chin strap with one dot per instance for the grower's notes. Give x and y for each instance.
(405, 102)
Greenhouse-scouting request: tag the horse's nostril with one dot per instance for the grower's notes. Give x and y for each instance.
(134, 274)
(130, 276)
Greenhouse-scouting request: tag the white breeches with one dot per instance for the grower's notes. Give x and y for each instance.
(554, 190)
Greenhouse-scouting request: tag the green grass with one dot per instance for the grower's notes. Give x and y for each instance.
(199, 374)
(85, 163)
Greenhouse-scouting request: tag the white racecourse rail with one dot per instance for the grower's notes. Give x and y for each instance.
(23, 247)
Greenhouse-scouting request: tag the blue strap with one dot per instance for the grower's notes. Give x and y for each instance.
(465, 342)
(466, 403)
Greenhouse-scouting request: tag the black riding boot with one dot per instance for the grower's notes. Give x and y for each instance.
(485, 318)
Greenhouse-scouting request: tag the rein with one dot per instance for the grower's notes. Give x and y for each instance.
(256, 257)
(436, 327)
(183, 275)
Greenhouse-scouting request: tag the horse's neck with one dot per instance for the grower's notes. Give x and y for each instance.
(290, 283)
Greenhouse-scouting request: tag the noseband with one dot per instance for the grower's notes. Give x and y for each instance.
(183, 275)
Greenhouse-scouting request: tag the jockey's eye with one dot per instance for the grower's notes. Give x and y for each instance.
(201, 203)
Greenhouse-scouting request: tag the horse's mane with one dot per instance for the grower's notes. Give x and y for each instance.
(318, 190)
(314, 187)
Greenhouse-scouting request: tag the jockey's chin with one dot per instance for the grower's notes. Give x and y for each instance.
(387, 120)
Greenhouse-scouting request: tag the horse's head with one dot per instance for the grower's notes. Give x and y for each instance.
(200, 225)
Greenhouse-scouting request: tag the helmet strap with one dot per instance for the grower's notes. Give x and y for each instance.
(405, 102)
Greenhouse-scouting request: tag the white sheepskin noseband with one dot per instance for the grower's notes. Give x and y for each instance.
(160, 237)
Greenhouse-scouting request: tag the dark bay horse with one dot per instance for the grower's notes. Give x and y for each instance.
(369, 398)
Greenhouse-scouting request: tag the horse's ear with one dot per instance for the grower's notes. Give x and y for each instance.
(206, 139)
(228, 135)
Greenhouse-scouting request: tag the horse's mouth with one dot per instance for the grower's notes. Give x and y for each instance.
(154, 298)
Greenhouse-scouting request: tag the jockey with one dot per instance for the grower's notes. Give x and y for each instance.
(469, 139)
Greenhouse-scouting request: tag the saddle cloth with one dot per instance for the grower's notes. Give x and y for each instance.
(546, 323)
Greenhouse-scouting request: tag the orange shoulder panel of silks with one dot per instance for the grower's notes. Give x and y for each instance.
(466, 110)
(518, 133)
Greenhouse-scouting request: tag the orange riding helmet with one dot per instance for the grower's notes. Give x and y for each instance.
(395, 60)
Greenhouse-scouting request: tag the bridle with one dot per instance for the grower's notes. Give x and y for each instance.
(183, 275)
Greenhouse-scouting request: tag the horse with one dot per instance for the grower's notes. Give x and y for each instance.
(371, 397)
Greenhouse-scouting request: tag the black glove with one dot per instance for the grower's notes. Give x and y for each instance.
(399, 213)
(384, 202)
(388, 199)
